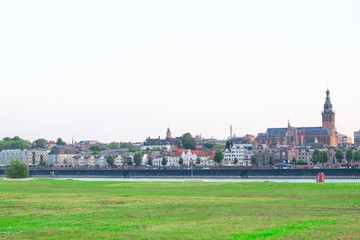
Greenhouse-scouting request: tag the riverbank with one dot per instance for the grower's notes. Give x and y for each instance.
(197, 173)
(275, 180)
(68, 209)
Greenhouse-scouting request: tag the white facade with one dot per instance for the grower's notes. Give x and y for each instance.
(80, 161)
(173, 160)
(235, 152)
(189, 157)
(102, 161)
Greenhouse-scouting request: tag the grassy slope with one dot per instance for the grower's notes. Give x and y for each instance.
(55, 209)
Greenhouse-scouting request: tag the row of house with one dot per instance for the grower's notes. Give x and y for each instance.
(188, 156)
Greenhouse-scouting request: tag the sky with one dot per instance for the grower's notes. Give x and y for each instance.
(127, 70)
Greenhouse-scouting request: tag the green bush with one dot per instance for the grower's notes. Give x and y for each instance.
(17, 169)
(301, 162)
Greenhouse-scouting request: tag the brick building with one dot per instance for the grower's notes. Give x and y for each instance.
(297, 136)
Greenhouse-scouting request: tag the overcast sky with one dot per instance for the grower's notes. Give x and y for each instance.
(126, 70)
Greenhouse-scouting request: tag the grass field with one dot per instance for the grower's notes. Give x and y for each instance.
(67, 209)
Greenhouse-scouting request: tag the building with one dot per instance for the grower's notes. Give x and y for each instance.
(189, 157)
(305, 153)
(80, 161)
(62, 156)
(287, 154)
(328, 120)
(168, 143)
(32, 157)
(357, 138)
(7, 155)
(233, 153)
(88, 142)
(297, 136)
(262, 155)
(344, 140)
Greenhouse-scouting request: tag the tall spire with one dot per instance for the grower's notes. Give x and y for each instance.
(328, 105)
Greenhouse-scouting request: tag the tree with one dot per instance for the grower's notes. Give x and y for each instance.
(65, 161)
(219, 147)
(293, 161)
(149, 161)
(271, 160)
(219, 155)
(349, 155)
(17, 169)
(42, 163)
(113, 145)
(301, 162)
(40, 143)
(110, 160)
(135, 150)
(188, 141)
(317, 156)
(236, 161)
(181, 161)
(324, 157)
(95, 148)
(198, 161)
(209, 145)
(137, 159)
(253, 160)
(59, 141)
(7, 139)
(229, 144)
(125, 145)
(339, 155)
(163, 161)
(16, 138)
(178, 143)
(357, 156)
(103, 149)
(13, 143)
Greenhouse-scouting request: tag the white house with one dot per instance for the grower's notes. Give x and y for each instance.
(235, 152)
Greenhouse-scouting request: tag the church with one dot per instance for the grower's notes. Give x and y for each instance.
(300, 136)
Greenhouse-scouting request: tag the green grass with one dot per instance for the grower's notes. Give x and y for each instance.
(67, 209)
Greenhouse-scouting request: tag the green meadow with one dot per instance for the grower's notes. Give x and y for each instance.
(67, 209)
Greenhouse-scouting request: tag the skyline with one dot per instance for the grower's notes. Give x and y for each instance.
(123, 71)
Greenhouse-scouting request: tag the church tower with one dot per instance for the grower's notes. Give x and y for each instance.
(328, 120)
(168, 134)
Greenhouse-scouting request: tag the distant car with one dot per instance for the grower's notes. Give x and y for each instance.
(316, 167)
(205, 168)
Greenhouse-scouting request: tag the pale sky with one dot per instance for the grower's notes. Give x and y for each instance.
(126, 70)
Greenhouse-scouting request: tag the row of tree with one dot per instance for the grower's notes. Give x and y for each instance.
(349, 155)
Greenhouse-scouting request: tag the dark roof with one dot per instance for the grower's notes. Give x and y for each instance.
(310, 141)
(64, 151)
(159, 142)
(309, 131)
(312, 131)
